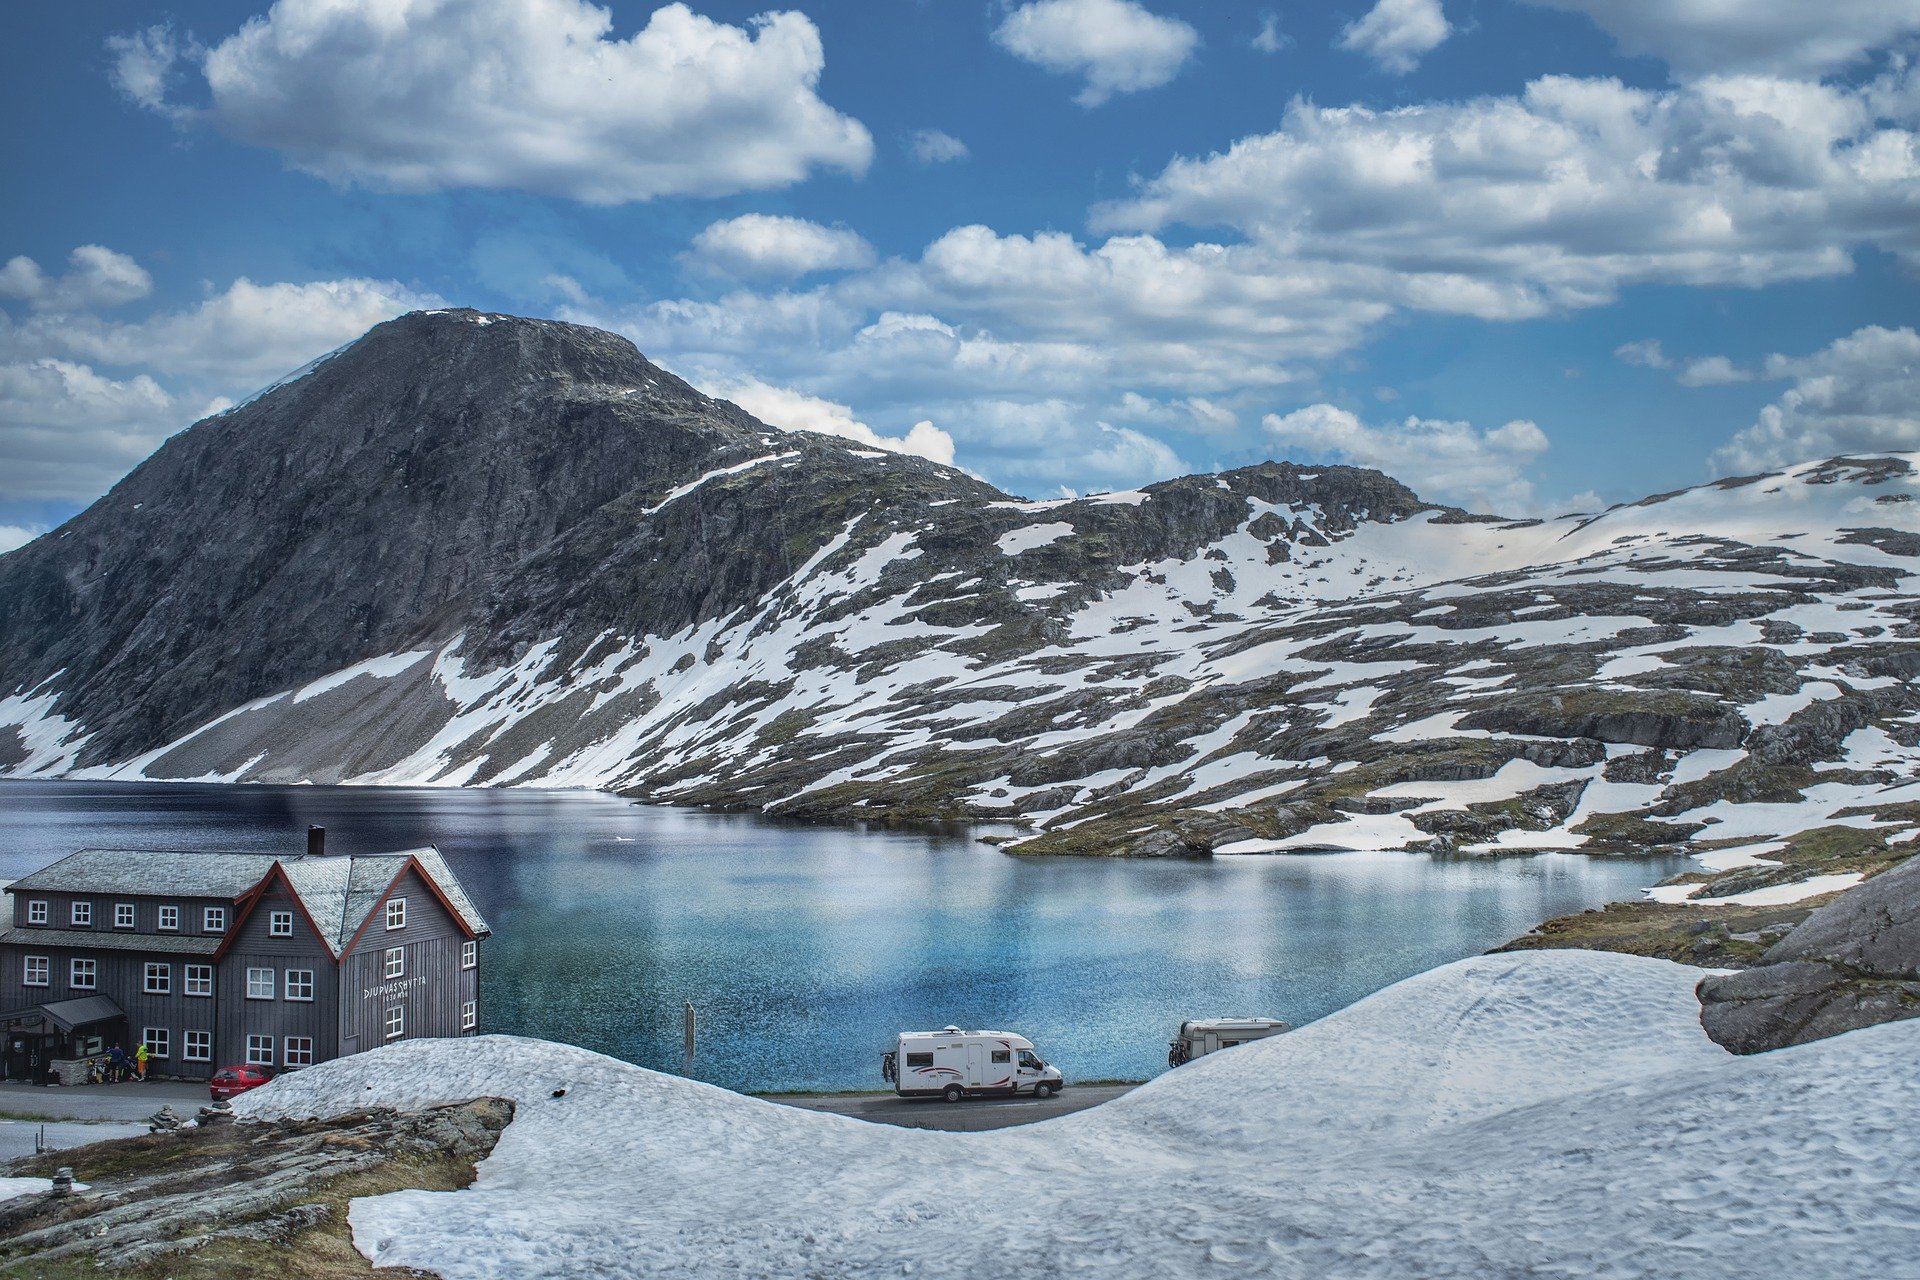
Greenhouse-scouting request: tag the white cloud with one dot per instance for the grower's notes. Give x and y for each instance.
(792, 410)
(1269, 38)
(1861, 394)
(1646, 352)
(1446, 461)
(13, 536)
(1188, 413)
(1777, 36)
(96, 277)
(67, 432)
(759, 244)
(1117, 45)
(69, 428)
(421, 95)
(1396, 34)
(1515, 207)
(931, 146)
(1711, 371)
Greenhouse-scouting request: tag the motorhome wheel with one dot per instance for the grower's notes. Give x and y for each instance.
(953, 1093)
(1043, 1091)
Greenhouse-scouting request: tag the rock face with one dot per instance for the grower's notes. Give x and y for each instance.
(479, 550)
(1853, 963)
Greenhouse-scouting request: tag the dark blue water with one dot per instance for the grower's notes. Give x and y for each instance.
(805, 949)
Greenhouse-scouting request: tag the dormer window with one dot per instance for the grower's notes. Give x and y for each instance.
(396, 913)
(37, 911)
(280, 924)
(123, 915)
(83, 915)
(214, 920)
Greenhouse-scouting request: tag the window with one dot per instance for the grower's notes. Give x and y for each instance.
(396, 913)
(39, 971)
(82, 975)
(259, 1051)
(259, 984)
(396, 963)
(299, 984)
(396, 1022)
(280, 924)
(469, 1016)
(198, 1046)
(37, 911)
(169, 917)
(469, 954)
(1003, 1056)
(159, 978)
(299, 1051)
(83, 914)
(123, 915)
(919, 1060)
(213, 920)
(159, 1042)
(199, 979)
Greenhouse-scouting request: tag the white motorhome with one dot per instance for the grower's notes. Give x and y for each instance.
(1208, 1035)
(955, 1064)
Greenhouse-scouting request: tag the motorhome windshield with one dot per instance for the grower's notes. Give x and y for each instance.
(1027, 1059)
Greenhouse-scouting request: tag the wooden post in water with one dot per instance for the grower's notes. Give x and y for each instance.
(686, 1029)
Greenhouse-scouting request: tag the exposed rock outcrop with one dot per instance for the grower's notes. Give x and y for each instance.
(1853, 963)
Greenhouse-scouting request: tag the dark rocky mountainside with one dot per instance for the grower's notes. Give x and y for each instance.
(474, 549)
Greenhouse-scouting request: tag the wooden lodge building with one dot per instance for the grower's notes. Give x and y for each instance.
(214, 959)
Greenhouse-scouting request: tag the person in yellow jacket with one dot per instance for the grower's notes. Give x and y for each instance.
(140, 1061)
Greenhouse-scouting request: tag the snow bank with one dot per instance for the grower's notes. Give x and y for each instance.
(1544, 1113)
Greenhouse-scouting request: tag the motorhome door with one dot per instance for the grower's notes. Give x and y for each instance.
(976, 1064)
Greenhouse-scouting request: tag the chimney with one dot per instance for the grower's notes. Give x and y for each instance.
(316, 842)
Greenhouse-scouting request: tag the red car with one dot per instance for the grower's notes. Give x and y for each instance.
(230, 1082)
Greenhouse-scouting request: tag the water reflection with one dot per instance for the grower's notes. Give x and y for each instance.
(806, 948)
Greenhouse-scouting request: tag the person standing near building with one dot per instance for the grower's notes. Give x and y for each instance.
(117, 1064)
(140, 1061)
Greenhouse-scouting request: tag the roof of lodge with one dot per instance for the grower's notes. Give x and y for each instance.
(339, 891)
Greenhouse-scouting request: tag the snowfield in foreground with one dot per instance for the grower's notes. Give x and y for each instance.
(1542, 1114)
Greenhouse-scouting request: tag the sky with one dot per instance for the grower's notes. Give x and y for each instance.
(1527, 256)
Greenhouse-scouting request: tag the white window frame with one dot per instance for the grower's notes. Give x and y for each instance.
(196, 1046)
(158, 969)
(92, 982)
(296, 1046)
(280, 924)
(198, 980)
(259, 1051)
(469, 1015)
(396, 913)
(258, 981)
(38, 912)
(123, 916)
(297, 980)
(81, 914)
(42, 965)
(396, 1021)
(169, 918)
(393, 964)
(159, 1041)
(469, 954)
(213, 920)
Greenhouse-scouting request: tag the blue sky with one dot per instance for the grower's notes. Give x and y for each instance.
(1525, 256)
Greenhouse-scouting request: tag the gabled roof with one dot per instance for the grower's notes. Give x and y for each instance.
(338, 892)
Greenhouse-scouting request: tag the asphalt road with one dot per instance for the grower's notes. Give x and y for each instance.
(126, 1102)
(974, 1115)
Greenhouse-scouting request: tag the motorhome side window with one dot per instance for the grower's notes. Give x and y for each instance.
(919, 1059)
(1027, 1059)
(1003, 1055)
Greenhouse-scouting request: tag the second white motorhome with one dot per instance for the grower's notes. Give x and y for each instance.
(1208, 1035)
(955, 1064)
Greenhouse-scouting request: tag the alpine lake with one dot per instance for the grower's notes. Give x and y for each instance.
(805, 949)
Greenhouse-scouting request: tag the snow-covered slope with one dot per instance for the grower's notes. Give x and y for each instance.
(1273, 658)
(1555, 1113)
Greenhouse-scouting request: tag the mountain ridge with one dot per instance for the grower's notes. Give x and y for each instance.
(581, 571)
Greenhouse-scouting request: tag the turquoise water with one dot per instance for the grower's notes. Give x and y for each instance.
(804, 949)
